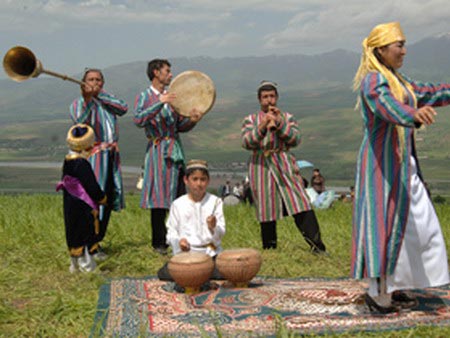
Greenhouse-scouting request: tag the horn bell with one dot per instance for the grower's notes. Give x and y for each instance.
(20, 64)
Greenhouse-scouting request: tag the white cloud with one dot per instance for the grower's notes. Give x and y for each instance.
(346, 23)
(129, 30)
(227, 39)
(36, 15)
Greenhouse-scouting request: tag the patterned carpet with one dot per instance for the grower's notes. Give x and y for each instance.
(149, 307)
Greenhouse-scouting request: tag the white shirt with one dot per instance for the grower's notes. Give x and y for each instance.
(187, 219)
(158, 93)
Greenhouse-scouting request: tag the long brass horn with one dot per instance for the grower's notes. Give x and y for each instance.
(20, 64)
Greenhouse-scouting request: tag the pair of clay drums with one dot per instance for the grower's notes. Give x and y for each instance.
(192, 269)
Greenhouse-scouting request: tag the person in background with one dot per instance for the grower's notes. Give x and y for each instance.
(100, 110)
(164, 157)
(247, 192)
(226, 190)
(273, 173)
(318, 181)
(237, 190)
(81, 199)
(397, 241)
(196, 222)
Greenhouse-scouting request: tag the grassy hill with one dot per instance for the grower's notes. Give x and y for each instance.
(41, 298)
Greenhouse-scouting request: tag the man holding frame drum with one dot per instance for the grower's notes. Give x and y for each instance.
(164, 158)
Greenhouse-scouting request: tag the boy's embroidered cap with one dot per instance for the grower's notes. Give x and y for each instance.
(80, 137)
(197, 164)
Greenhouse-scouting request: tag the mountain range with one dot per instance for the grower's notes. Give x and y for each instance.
(315, 88)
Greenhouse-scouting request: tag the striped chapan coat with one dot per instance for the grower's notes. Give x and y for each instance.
(273, 173)
(382, 187)
(164, 155)
(101, 114)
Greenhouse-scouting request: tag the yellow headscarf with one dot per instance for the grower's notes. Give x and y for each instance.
(382, 35)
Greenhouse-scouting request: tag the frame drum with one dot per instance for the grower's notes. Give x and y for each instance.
(194, 89)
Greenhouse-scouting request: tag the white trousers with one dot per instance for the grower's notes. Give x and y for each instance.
(422, 260)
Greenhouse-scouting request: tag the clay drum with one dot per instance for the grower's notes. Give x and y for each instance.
(191, 270)
(239, 266)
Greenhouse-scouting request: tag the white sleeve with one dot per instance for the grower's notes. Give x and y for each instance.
(172, 225)
(219, 231)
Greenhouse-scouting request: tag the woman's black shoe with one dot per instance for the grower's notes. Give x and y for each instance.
(401, 299)
(375, 307)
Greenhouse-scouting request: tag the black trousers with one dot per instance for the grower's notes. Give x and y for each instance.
(110, 195)
(159, 231)
(158, 217)
(305, 221)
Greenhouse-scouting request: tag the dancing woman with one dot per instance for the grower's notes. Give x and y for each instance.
(397, 240)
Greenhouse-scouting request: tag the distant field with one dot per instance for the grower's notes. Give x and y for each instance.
(331, 135)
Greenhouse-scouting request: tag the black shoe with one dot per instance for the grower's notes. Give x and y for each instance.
(375, 307)
(401, 299)
(319, 252)
(161, 250)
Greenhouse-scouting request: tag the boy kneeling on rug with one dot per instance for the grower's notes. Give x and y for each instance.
(196, 222)
(82, 195)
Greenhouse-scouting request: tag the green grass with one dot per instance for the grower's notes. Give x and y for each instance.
(39, 297)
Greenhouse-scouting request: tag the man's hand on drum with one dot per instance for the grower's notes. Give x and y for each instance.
(184, 245)
(425, 115)
(195, 115)
(167, 97)
(211, 221)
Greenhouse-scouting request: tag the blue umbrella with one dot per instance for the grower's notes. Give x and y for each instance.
(304, 164)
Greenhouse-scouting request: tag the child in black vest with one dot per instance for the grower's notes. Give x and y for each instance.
(82, 196)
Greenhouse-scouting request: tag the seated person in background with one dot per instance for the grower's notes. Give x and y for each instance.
(196, 222)
(318, 181)
(81, 199)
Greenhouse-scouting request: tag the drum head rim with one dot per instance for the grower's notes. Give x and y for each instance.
(183, 257)
(203, 75)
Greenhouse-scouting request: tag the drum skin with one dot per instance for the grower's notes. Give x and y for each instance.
(191, 270)
(239, 266)
(193, 89)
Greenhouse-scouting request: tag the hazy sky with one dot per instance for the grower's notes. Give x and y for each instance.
(68, 35)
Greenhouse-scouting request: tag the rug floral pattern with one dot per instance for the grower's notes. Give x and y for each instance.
(149, 307)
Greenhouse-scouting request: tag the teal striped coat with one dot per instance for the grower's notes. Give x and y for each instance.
(101, 114)
(273, 172)
(164, 157)
(382, 185)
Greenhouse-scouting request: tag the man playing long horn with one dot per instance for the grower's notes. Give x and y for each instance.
(99, 109)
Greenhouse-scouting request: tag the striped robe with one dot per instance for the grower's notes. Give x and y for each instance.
(382, 185)
(101, 114)
(164, 155)
(273, 174)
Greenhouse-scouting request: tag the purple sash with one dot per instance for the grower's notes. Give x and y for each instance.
(74, 187)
